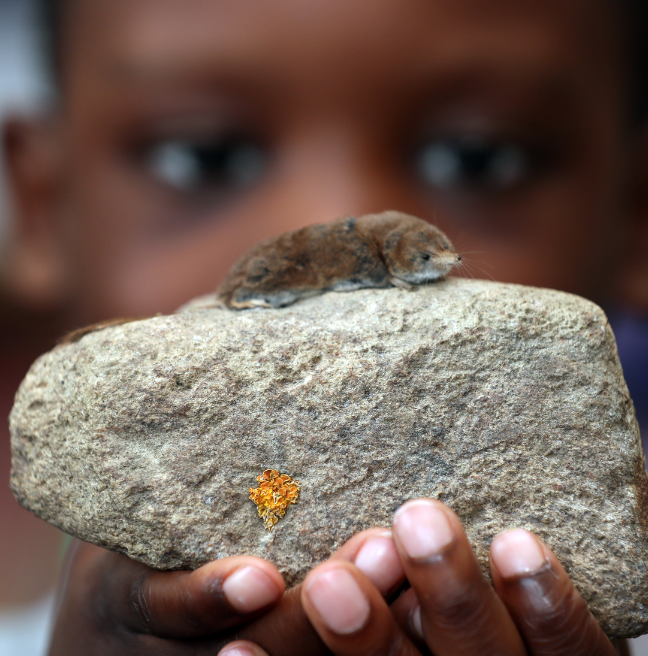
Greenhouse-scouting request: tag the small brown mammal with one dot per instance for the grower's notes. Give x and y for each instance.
(375, 250)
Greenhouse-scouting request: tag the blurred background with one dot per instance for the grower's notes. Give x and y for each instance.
(126, 284)
(29, 553)
(22, 77)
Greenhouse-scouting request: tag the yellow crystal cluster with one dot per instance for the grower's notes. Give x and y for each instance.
(273, 496)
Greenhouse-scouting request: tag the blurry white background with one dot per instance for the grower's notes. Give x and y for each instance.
(22, 82)
(23, 631)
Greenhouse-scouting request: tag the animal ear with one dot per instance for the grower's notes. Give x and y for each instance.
(258, 269)
(392, 241)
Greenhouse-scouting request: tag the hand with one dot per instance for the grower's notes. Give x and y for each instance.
(451, 609)
(113, 605)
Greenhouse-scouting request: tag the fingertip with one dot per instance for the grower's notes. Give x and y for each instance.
(374, 553)
(335, 598)
(249, 589)
(378, 559)
(349, 613)
(212, 598)
(416, 623)
(213, 574)
(454, 596)
(248, 584)
(423, 529)
(425, 502)
(242, 648)
(268, 569)
(350, 549)
(517, 553)
(536, 590)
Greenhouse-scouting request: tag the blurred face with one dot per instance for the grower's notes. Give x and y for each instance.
(195, 128)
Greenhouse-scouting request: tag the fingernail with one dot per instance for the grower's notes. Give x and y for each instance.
(422, 529)
(338, 599)
(241, 649)
(417, 626)
(516, 553)
(237, 651)
(379, 560)
(249, 589)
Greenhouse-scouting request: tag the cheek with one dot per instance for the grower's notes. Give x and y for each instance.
(556, 249)
(563, 231)
(141, 277)
(138, 254)
(163, 277)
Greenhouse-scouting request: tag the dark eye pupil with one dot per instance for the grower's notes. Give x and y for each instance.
(233, 162)
(475, 155)
(426, 256)
(472, 160)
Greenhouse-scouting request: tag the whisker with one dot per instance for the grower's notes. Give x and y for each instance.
(463, 268)
(471, 265)
(485, 273)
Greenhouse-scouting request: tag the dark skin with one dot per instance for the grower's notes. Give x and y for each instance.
(141, 611)
(343, 123)
(339, 109)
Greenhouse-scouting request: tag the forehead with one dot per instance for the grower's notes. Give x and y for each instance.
(355, 42)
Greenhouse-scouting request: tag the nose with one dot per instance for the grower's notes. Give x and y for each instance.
(328, 173)
(458, 258)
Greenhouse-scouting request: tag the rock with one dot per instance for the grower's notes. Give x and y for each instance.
(506, 402)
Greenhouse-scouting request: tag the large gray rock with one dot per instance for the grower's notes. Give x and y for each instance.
(506, 402)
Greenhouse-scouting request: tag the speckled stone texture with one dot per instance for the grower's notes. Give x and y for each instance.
(506, 402)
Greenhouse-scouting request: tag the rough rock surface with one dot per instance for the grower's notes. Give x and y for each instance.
(506, 402)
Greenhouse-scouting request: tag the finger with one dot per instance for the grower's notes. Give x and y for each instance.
(242, 648)
(374, 553)
(189, 604)
(286, 627)
(549, 612)
(99, 602)
(407, 615)
(349, 613)
(459, 611)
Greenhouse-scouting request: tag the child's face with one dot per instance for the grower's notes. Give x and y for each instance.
(191, 130)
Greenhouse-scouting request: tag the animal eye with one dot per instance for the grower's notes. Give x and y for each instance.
(426, 256)
(469, 160)
(228, 163)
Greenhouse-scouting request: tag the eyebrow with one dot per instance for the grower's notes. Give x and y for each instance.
(459, 70)
(446, 84)
(165, 65)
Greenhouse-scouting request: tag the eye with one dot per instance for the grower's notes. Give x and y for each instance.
(227, 163)
(468, 160)
(426, 256)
